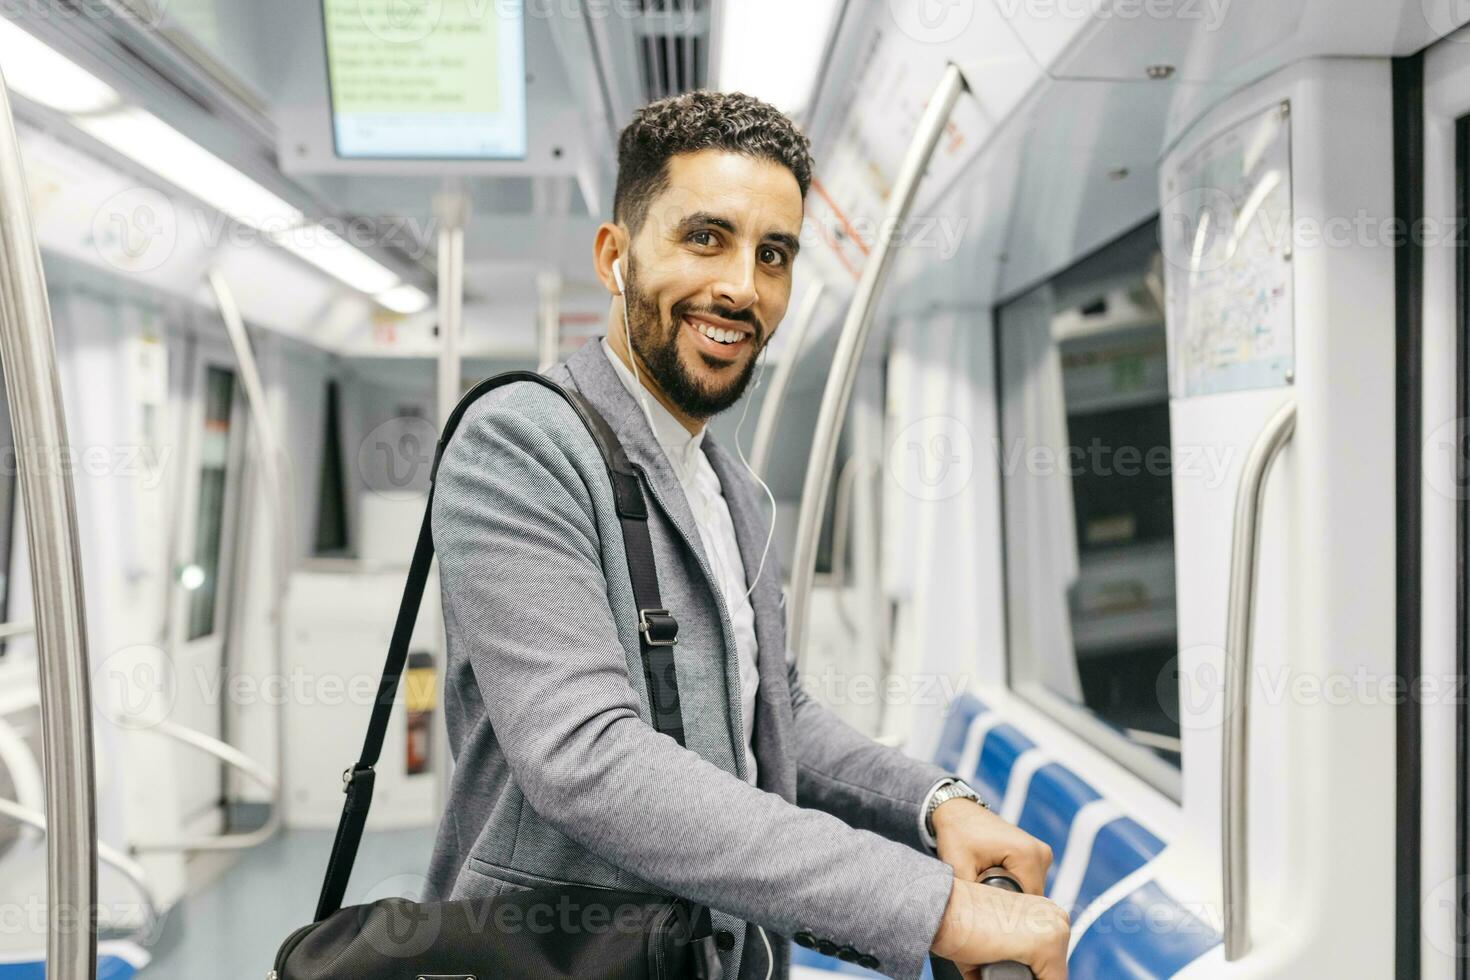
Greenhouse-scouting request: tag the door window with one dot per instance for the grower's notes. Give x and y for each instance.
(1086, 458)
(202, 576)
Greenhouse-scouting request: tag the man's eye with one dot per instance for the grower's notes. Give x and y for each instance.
(704, 239)
(772, 256)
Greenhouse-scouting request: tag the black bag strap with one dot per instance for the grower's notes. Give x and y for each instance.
(658, 631)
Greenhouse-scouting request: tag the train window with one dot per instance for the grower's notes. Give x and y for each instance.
(214, 462)
(331, 506)
(1088, 502)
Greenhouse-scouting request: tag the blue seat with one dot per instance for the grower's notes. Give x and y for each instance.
(962, 713)
(1121, 847)
(1052, 801)
(108, 968)
(1145, 935)
(1003, 746)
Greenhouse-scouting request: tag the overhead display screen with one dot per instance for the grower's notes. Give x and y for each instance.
(427, 79)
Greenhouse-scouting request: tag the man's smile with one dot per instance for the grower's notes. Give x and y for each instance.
(717, 337)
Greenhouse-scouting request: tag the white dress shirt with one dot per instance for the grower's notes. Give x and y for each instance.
(716, 533)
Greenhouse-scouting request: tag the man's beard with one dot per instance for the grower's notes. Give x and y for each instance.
(657, 346)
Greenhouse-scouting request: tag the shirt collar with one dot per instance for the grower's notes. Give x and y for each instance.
(678, 444)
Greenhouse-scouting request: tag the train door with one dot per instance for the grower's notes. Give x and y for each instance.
(213, 439)
(1188, 626)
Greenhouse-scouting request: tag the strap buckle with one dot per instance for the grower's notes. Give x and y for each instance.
(351, 773)
(659, 627)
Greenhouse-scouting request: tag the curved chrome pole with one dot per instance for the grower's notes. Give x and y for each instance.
(126, 866)
(33, 392)
(271, 453)
(765, 426)
(841, 529)
(850, 345)
(1239, 616)
(27, 785)
(278, 506)
(235, 759)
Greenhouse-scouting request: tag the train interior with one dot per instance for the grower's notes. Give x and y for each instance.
(1147, 513)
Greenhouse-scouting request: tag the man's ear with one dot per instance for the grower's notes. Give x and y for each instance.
(610, 244)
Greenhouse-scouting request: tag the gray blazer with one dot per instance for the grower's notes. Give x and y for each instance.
(560, 776)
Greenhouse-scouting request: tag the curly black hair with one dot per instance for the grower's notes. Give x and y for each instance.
(700, 120)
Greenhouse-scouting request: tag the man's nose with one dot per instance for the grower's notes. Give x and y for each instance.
(736, 287)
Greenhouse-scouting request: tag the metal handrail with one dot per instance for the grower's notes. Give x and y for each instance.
(271, 453)
(765, 426)
(1239, 616)
(841, 530)
(126, 866)
(850, 345)
(33, 393)
(235, 759)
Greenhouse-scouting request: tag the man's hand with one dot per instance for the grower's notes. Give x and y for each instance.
(984, 925)
(972, 839)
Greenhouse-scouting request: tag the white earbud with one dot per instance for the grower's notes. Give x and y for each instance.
(618, 275)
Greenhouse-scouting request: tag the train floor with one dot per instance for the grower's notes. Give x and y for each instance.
(232, 927)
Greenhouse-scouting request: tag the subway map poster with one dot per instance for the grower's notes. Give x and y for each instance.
(1226, 231)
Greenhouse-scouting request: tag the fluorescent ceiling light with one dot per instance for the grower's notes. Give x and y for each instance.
(406, 298)
(34, 70)
(778, 66)
(157, 146)
(335, 257)
(162, 149)
(41, 74)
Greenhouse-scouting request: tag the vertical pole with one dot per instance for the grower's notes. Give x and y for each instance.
(548, 320)
(33, 392)
(452, 209)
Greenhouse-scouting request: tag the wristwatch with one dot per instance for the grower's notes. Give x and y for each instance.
(951, 789)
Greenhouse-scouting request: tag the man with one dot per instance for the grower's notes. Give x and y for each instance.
(780, 818)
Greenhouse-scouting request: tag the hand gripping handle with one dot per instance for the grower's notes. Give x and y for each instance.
(945, 970)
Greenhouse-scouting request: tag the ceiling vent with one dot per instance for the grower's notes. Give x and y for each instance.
(673, 46)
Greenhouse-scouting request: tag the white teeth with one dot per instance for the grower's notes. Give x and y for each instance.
(716, 334)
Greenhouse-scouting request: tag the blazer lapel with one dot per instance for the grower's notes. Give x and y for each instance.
(597, 381)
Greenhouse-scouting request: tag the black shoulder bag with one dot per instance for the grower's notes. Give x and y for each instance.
(541, 933)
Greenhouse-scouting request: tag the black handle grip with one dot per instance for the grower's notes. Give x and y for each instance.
(945, 970)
